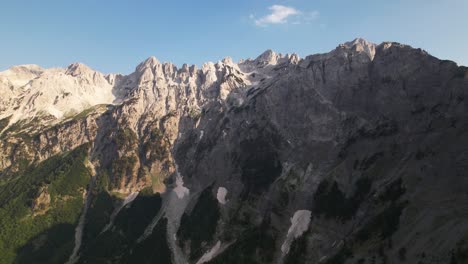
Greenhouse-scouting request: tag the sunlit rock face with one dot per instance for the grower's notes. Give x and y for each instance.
(358, 155)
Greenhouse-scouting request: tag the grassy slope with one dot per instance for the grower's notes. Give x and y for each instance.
(24, 236)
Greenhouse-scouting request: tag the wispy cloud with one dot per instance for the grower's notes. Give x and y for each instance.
(311, 16)
(280, 14)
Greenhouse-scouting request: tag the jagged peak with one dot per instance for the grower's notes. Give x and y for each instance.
(358, 41)
(148, 63)
(388, 44)
(361, 45)
(227, 61)
(267, 57)
(78, 68)
(208, 66)
(185, 67)
(293, 58)
(267, 53)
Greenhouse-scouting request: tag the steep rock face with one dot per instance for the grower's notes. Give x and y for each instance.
(353, 122)
(356, 155)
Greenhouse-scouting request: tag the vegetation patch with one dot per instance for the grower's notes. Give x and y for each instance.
(330, 201)
(260, 164)
(340, 258)
(51, 246)
(384, 225)
(129, 225)
(123, 167)
(125, 138)
(297, 251)
(254, 246)
(98, 215)
(153, 249)
(199, 226)
(133, 219)
(100, 209)
(107, 248)
(367, 162)
(15, 127)
(195, 114)
(4, 123)
(157, 145)
(83, 114)
(49, 236)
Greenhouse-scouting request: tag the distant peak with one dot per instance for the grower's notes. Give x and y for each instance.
(148, 63)
(267, 54)
(151, 61)
(293, 58)
(267, 57)
(228, 61)
(32, 68)
(28, 66)
(357, 41)
(78, 68)
(78, 65)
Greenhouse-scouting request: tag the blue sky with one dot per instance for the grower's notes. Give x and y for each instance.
(114, 36)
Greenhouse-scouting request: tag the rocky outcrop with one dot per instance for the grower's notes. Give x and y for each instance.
(40, 204)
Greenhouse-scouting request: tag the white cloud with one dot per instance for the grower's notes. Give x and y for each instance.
(279, 15)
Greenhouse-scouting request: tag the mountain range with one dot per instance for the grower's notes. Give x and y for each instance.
(358, 155)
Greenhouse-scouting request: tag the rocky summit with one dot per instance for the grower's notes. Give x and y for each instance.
(359, 155)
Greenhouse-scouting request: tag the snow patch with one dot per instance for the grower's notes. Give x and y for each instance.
(221, 195)
(180, 189)
(210, 254)
(299, 224)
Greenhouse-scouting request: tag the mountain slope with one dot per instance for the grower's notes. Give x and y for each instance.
(356, 155)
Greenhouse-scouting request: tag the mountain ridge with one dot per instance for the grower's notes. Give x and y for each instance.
(115, 92)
